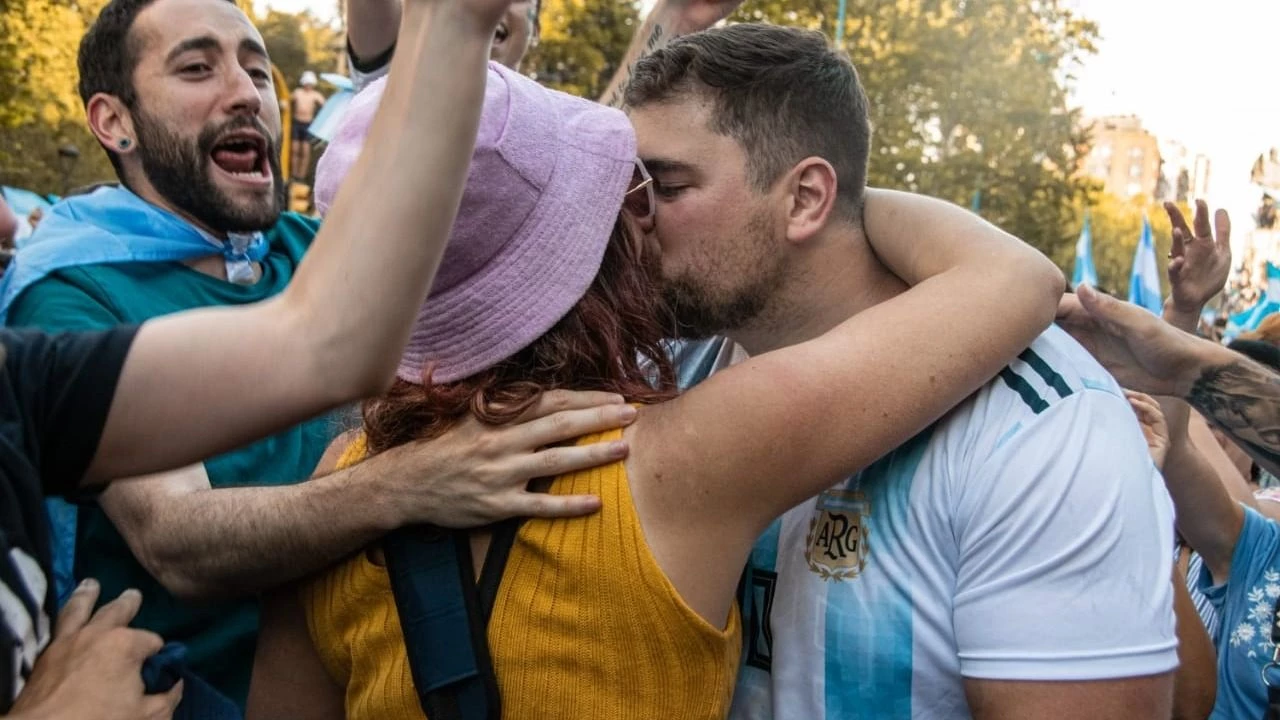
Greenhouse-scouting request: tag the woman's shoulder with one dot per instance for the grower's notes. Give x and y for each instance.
(349, 448)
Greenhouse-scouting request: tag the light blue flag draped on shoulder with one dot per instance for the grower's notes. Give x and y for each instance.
(1085, 273)
(112, 225)
(1144, 281)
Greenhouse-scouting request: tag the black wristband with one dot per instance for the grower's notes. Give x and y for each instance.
(374, 63)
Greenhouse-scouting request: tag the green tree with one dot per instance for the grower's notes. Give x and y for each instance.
(282, 32)
(29, 157)
(968, 99)
(40, 108)
(582, 43)
(298, 42)
(1116, 226)
(325, 43)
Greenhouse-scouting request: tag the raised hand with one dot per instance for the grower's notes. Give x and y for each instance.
(487, 12)
(1235, 394)
(669, 19)
(93, 668)
(1200, 260)
(1144, 352)
(1154, 427)
(688, 16)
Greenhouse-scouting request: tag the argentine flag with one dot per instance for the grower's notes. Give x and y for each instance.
(1144, 281)
(1268, 303)
(1085, 274)
(325, 123)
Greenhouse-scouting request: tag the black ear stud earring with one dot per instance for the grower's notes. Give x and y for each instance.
(124, 144)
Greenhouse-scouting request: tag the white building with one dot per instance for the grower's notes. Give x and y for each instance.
(1184, 174)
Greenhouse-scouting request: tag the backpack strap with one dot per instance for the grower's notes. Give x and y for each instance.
(444, 615)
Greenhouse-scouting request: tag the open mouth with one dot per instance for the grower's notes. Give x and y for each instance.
(500, 35)
(243, 156)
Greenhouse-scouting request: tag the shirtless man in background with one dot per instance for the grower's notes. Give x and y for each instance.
(307, 101)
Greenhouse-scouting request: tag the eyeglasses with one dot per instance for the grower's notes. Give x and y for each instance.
(639, 201)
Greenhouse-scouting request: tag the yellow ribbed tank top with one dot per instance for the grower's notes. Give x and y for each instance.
(585, 626)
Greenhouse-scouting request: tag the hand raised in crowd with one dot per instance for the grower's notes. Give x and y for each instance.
(1144, 352)
(1154, 427)
(480, 474)
(93, 668)
(669, 19)
(1200, 262)
(1147, 354)
(689, 16)
(486, 13)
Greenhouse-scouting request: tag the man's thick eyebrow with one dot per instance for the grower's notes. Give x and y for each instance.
(208, 42)
(254, 47)
(658, 165)
(204, 42)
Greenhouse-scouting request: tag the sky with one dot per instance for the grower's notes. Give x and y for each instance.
(1203, 73)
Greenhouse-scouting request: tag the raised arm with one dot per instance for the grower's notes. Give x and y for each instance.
(1235, 394)
(335, 334)
(667, 20)
(1199, 264)
(919, 237)
(1207, 444)
(1208, 518)
(372, 26)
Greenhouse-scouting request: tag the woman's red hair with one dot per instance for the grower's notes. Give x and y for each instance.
(598, 345)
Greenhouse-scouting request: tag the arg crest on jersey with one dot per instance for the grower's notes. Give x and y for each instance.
(836, 548)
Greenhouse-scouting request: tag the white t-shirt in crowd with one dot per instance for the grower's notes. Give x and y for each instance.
(1025, 536)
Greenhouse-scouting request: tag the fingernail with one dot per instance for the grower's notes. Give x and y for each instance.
(88, 584)
(627, 413)
(618, 449)
(132, 592)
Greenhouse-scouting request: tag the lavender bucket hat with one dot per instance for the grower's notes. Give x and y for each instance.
(546, 183)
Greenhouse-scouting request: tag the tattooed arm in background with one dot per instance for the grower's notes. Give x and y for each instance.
(1149, 355)
(1242, 398)
(669, 19)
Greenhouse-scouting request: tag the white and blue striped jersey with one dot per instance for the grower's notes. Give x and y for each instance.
(1025, 536)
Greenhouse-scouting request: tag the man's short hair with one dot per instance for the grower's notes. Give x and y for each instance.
(784, 94)
(109, 55)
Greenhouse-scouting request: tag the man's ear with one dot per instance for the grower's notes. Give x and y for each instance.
(112, 123)
(811, 186)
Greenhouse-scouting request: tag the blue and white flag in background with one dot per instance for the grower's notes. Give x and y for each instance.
(1268, 304)
(1085, 274)
(326, 121)
(1144, 281)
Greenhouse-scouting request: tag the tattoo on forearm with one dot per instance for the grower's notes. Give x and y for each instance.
(1243, 399)
(654, 38)
(654, 41)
